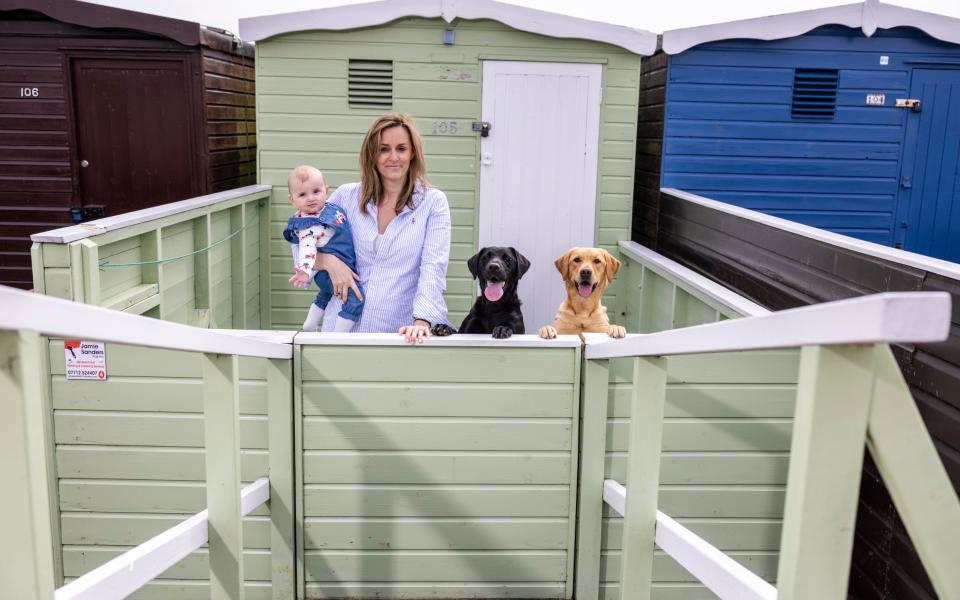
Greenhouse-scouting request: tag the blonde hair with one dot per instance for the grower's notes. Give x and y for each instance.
(301, 174)
(371, 186)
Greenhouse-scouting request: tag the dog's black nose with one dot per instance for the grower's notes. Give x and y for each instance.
(585, 273)
(495, 267)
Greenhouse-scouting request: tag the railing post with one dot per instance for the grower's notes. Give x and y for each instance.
(238, 266)
(203, 263)
(266, 300)
(221, 410)
(282, 493)
(826, 455)
(90, 253)
(596, 376)
(911, 468)
(26, 559)
(643, 477)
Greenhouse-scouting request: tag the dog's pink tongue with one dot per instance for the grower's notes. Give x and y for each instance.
(493, 291)
(585, 289)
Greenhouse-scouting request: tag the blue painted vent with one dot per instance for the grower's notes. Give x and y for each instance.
(370, 84)
(814, 93)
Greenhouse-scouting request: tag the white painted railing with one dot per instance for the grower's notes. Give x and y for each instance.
(55, 317)
(849, 392)
(722, 575)
(891, 317)
(138, 566)
(25, 438)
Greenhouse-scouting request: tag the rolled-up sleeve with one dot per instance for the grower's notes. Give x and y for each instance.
(428, 304)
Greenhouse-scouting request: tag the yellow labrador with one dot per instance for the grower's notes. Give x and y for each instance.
(586, 273)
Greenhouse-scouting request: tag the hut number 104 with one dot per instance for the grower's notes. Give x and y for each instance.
(29, 92)
(445, 128)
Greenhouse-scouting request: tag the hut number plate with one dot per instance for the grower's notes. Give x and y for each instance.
(29, 92)
(445, 128)
(876, 99)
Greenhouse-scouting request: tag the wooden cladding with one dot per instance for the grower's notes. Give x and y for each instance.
(370, 84)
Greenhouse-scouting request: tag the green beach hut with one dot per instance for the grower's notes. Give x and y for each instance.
(529, 121)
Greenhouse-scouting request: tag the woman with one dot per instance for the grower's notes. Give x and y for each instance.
(401, 234)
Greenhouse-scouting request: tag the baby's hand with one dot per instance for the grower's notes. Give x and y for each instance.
(300, 280)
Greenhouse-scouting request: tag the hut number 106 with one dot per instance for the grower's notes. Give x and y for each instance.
(445, 127)
(29, 92)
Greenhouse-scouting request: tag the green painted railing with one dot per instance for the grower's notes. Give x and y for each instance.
(382, 456)
(31, 434)
(196, 262)
(849, 393)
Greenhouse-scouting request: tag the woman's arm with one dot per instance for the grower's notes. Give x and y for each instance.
(342, 278)
(428, 304)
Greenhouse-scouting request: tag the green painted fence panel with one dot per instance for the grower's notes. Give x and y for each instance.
(726, 434)
(129, 456)
(195, 261)
(438, 471)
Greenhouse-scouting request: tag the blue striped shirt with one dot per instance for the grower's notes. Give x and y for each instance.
(404, 274)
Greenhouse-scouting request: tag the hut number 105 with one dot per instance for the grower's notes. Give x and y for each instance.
(445, 127)
(29, 92)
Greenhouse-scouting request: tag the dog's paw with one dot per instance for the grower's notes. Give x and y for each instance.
(502, 332)
(617, 331)
(547, 332)
(442, 330)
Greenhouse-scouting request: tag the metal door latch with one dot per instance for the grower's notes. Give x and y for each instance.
(911, 103)
(482, 126)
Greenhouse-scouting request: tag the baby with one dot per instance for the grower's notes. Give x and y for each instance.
(319, 227)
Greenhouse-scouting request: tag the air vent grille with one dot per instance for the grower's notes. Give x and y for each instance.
(370, 84)
(815, 93)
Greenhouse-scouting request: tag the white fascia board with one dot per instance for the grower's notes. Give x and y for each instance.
(65, 235)
(371, 14)
(867, 16)
(56, 317)
(894, 317)
(903, 257)
(692, 280)
(463, 340)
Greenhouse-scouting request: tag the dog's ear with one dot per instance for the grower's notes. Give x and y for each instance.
(523, 265)
(613, 265)
(563, 262)
(473, 263)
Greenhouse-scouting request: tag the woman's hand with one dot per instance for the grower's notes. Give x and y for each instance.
(342, 278)
(416, 333)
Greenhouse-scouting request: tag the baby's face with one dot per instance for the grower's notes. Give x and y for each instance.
(310, 195)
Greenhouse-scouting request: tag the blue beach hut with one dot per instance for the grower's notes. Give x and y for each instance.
(845, 118)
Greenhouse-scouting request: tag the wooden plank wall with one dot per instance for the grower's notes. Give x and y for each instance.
(438, 472)
(781, 270)
(130, 463)
(304, 117)
(36, 185)
(229, 99)
(646, 180)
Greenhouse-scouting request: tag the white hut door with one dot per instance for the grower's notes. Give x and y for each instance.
(538, 169)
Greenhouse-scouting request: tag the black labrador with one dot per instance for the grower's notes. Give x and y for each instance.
(497, 309)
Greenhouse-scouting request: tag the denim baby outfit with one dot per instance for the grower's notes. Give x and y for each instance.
(331, 234)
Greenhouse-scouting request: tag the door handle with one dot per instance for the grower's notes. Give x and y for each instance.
(906, 181)
(84, 163)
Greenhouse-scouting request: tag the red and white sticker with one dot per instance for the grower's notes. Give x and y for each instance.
(85, 360)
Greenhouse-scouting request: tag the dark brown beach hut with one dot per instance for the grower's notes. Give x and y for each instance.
(104, 111)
